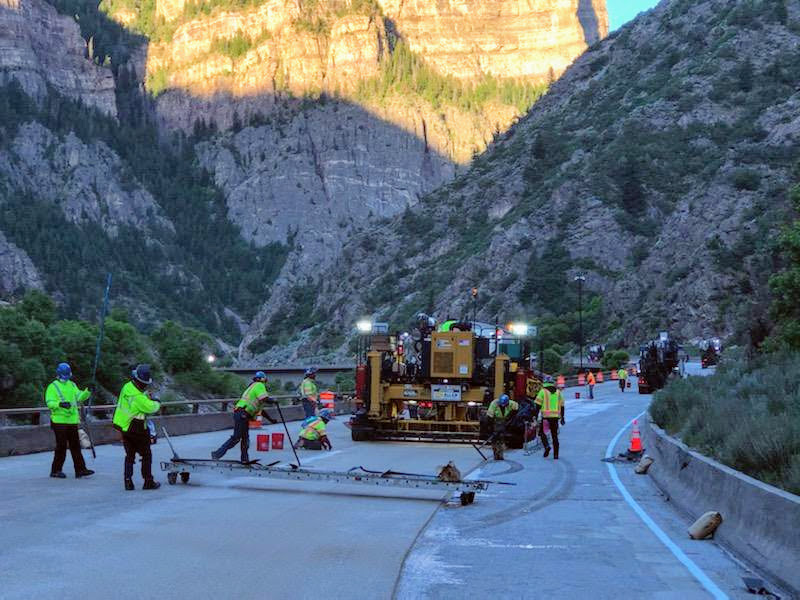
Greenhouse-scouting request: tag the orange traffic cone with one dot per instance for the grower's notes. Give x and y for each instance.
(614, 375)
(636, 439)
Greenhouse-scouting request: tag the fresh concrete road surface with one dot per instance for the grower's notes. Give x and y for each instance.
(563, 531)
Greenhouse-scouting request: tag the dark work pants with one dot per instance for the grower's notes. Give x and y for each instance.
(622, 384)
(137, 441)
(67, 437)
(591, 392)
(241, 433)
(553, 424)
(308, 408)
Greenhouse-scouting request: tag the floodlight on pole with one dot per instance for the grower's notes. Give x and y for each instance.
(364, 326)
(211, 359)
(519, 329)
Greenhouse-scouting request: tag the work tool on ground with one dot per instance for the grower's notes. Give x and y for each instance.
(288, 435)
(98, 346)
(184, 467)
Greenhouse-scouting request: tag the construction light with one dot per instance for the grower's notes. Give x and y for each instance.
(472, 404)
(210, 358)
(520, 329)
(364, 326)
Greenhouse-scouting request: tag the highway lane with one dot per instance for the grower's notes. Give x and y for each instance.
(565, 530)
(216, 537)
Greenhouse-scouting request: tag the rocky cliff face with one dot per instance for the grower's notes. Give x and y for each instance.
(657, 166)
(40, 48)
(519, 39)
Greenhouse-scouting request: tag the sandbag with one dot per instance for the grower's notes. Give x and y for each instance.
(644, 464)
(705, 526)
(83, 438)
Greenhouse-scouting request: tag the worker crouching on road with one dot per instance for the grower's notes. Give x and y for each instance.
(249, 406)
(623, 378)
(500, 414)
(63, 397)
(133, 406)
(550, 407)
(313, 432)
(308, 392)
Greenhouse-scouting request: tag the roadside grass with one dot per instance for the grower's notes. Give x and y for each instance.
(746, 415)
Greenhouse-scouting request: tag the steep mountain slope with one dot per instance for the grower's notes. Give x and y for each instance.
(657, 165)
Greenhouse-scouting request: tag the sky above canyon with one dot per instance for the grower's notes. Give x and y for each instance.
(622, 11)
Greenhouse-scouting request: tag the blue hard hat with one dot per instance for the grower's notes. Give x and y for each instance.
(327, 414)
(63, 371)
(503, 400)
(142, 374)
(259, 375)
(311, 371)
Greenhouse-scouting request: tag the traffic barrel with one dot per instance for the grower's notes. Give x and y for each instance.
(599, 377)
(614, 375)
(581, 379)
(327, 398)
(560, 382)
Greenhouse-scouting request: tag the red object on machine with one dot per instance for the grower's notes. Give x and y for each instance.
(277, 441)
(520, 384)
(262, 442)
(361, 381)
(327, 398)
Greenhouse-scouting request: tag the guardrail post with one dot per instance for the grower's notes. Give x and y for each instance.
(35, 418)
(195, 408)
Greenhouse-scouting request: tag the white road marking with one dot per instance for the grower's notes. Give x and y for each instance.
(696, 571)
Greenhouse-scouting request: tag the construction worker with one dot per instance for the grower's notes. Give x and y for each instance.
(623, 378)
(129, 418)
(500, 414)
(249, 406)
(313, 431)
(550, 408)
(590, 380)
(309, 394)
(62, 397)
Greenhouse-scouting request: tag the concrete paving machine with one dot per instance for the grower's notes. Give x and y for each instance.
(435, 383)
(658, 360)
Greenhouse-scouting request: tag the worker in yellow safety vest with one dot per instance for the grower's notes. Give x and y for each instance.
(623, 378)
(249, 406)
(309, 395)
(549, 407)
(313, 431)
(133, 405)
(499, 415)
(63, 397)
(590, 380)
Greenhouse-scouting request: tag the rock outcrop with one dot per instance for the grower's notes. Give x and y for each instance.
(17, 271)
(41, 48)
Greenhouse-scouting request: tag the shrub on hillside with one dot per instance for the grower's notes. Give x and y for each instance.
(746, 415)
(615, 359)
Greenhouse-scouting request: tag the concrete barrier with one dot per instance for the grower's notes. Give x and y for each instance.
(760, 522)
(39, 438)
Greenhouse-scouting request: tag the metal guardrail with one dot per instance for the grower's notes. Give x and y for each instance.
(195, 405)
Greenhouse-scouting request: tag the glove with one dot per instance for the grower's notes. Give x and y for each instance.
(563, 422)
(326, 444)
(65, 405)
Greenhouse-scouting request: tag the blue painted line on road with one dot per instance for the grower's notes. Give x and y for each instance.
(696, 571)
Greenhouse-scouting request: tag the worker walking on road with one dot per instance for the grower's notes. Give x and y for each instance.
(63, 397)
(133, 406)
(550, 407)
(309, 393)
(314, 433)
(590, 380)
(500, 413)
(249, 406)
(623, 378)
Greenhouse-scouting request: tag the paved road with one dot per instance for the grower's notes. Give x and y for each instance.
(565, 530)
(246, 538)
(214, 538)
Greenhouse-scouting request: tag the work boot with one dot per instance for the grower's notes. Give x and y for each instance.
(546, 452)
(84, 473)
(215, 456)
(245, 460)
(151, 484)
(555, 455)
(129, 485)
(58, 475)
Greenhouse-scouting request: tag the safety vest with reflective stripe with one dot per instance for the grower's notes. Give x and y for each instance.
(253, 398)
(313, 428)
(622, 373)
(495, 411)
(64, 391)
(590, 379)
(308, 389)
(133, 404)
(551, 403)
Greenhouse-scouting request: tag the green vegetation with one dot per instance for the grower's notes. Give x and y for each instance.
(190, 275)
(785, 285)
(405, 73)
(33, 342)
(746, 415)
(615, 359)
